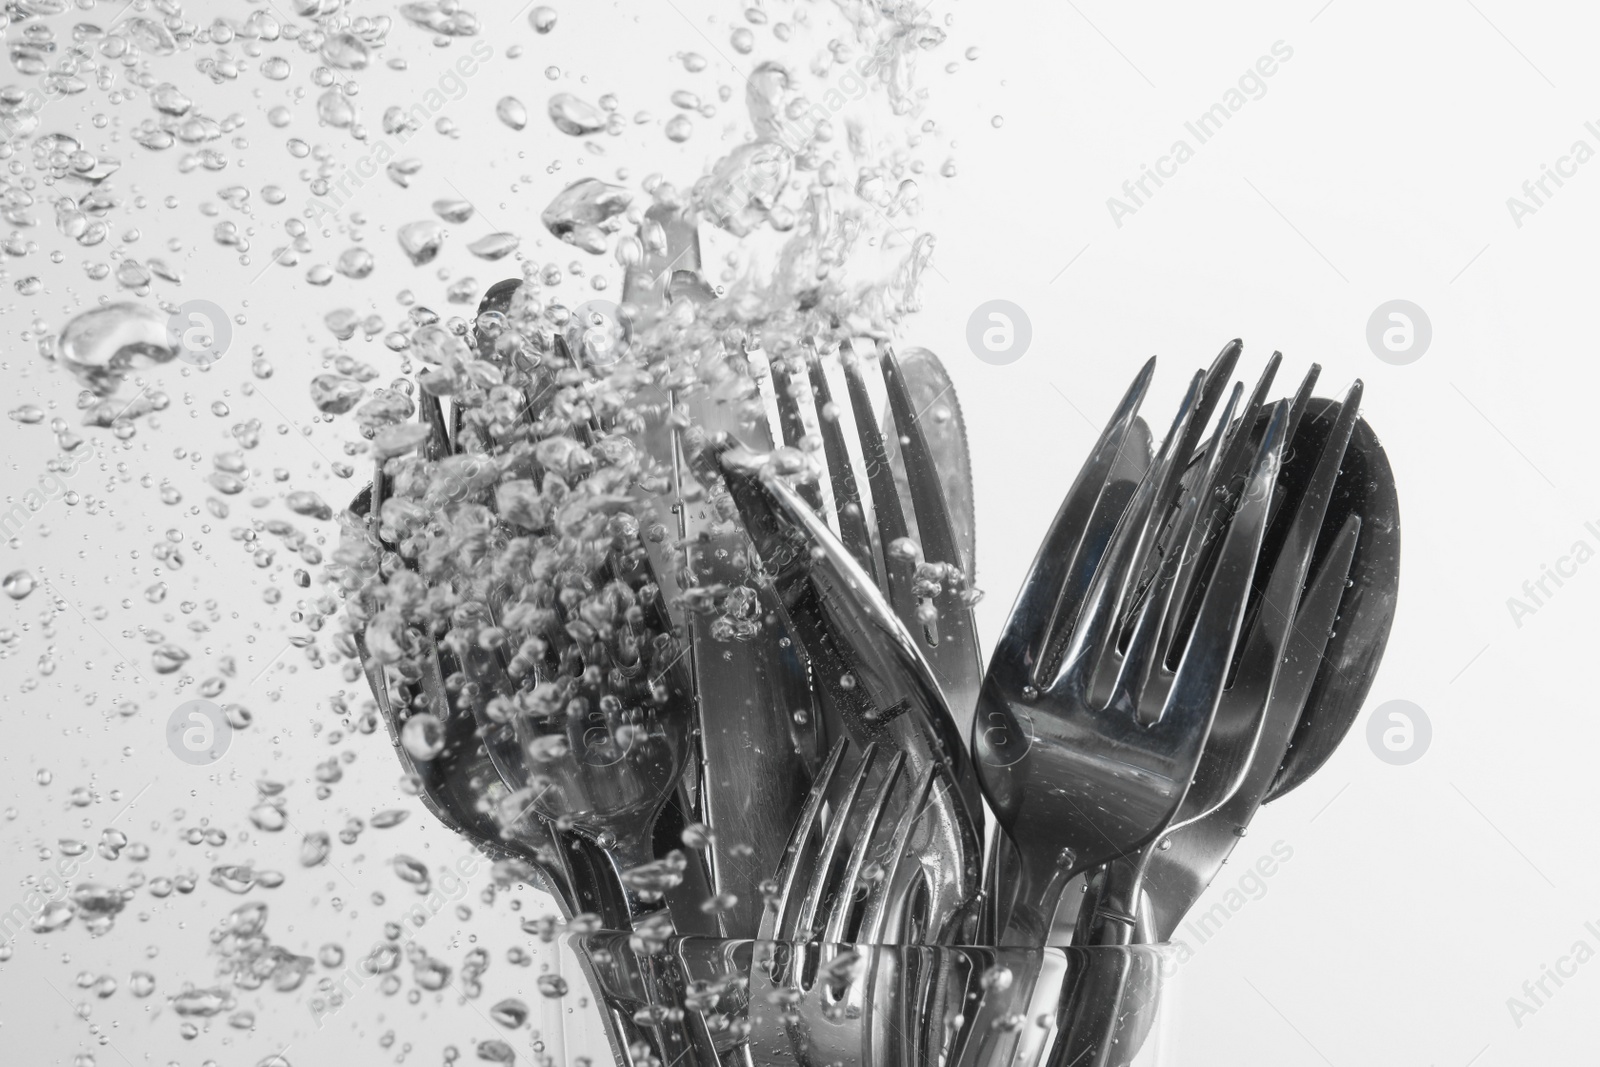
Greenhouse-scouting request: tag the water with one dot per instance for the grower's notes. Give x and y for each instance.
(313, 181)
(18, 584)
(574, 116)
(103, 345)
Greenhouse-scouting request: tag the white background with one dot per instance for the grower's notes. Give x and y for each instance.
(1376, 166)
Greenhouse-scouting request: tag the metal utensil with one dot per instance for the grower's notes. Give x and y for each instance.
(925, 579)
(462, 785)
(1075, 777)
(876, 687)
(1366, 488)
(1329, 437)
(1258, 707)
(758, 736)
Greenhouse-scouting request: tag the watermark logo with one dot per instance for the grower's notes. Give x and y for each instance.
(1251, 85)
(1399, 332)
(1536, 992)
(199, 332)
(1203, 927)
(198, 732)
(1399, 732)
(1006, 738)
(999, 332)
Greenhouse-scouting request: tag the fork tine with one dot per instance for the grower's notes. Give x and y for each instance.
(1229, 467)
(1190, 522)
(1314, 621)
(785, 386)
(1263, 643)
(1056, 579)
(1281, 566)
(431, 411)
(934, 528)
(852, 518)
(876, 915)
(950, 638)
(1222, 367)
(792, 866)
(1157, 621)
(1091, 647)
(798, 927)
(1302, 398)
(898, 572)
(1197, 686)
(844, 897)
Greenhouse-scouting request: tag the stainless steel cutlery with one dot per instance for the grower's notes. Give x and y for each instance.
(761, 744)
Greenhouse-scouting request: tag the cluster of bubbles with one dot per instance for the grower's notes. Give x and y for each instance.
(519, 544)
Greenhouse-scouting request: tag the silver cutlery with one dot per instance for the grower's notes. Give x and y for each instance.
(758, 728)
(1088, 754)
(1270, 678)
(1366, 488)
(795, 667)
(876, 688)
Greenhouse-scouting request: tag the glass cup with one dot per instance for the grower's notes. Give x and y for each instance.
(718, 1003)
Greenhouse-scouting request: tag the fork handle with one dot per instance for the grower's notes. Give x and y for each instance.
(1033, 905)
(1111, 913)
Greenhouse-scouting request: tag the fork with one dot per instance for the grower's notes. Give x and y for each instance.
(757, 734)
(925, 581)
(611, 871)
(460, 786)
(877, 688)
(1103, 769)
(1259, 708)
(930, 599)
(1105, 1007)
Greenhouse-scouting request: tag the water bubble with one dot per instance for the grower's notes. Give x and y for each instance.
(510, 1013)
(355, 263)
(542, 19)
(335, 395)
(574, 116)
(423, 736)
(345, 51)
(168, 658)
(18, 584)
(421, 241)
(582, 212)
(512, 112)
(456, 211)
(305, 502)
(268, 817)
(169, 100)
(52, 917)
(494, 246)
(335, 109)
(100, 345)
(314, 848)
